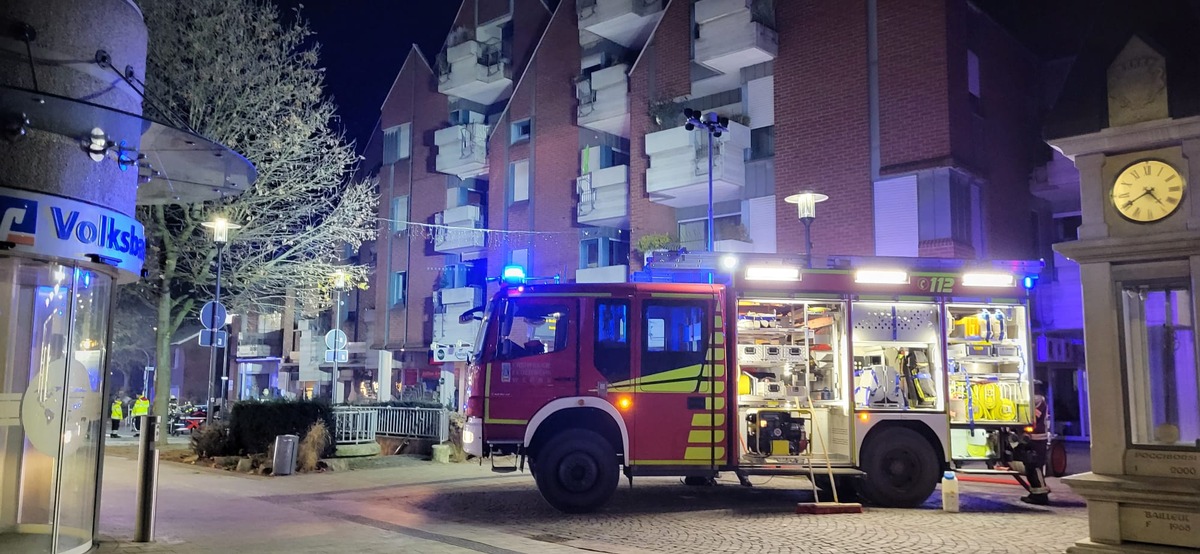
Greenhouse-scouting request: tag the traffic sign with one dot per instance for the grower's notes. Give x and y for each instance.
(335, 339)
(209, 337)
(340, 356)
(212, 320)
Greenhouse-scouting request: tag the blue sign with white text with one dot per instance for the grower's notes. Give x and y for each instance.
(60, 227)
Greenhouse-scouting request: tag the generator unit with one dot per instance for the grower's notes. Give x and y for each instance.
(775, 433)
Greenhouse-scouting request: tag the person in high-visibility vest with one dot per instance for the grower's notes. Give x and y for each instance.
(118, 413)
(141, 407)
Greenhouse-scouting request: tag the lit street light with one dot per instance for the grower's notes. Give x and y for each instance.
(220, 228)
(806, 204)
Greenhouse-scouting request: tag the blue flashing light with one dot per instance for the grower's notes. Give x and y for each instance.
(1030, 281)
(513, 275)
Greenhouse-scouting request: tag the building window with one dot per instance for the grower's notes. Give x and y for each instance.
(1066, 227)
(972, 73)
(398, 289)
(1160, 362)
(520, 131)
(399, 214)
(518, 174)
(603, 252)
(762, 142)
(520, 257)
(397, 143)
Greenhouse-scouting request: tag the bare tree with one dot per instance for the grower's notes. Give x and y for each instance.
(238, 73)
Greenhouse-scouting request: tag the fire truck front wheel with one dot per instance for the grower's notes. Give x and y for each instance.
(577, 471)
(901, 468)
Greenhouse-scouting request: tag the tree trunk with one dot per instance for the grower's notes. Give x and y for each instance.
(162, 351)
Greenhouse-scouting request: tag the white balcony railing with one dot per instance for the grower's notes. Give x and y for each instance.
(625, 22)
(604, 197)
(461, 232)
(735, 33)
(474, 70)
(605, 274)
(604, 100)
(678, 173)
(462, 149)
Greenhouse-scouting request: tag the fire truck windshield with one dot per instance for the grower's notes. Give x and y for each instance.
(480, 335)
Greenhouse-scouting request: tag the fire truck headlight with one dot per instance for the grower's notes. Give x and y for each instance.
(468, 436)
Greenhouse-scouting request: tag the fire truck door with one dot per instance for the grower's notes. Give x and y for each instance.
(679, 391)
(536, 354)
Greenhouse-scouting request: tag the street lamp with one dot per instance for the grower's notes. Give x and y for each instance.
(806, 204)
(714, 125)
(339, 285)
(220, 229)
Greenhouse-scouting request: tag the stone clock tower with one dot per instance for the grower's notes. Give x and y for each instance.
(1129, 117)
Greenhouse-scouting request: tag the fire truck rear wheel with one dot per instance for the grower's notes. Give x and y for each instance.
(901, 467)
(577, 471)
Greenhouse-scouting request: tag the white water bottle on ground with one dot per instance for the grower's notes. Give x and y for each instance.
(949, 492)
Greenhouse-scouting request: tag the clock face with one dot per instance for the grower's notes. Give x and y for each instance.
(1148, 191)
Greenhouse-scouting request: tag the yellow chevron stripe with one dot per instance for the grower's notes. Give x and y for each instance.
(716, 354)
(704, 453)
(718, 387)
(706, 437)
(718, 321)
(717, 403)
(719, 338)
(707, 420)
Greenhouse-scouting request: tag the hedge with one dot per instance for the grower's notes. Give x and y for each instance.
(253, 425)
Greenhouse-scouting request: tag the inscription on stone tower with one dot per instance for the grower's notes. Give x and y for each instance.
(1137, 85)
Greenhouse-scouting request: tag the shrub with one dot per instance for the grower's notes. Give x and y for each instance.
(254, 425)
(308, 453)
(213, 440)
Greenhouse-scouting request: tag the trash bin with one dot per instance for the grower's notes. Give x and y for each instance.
(285, 454)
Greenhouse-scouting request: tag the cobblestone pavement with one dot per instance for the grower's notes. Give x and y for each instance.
(425, 507)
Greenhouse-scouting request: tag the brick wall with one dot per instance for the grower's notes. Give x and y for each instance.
(914, 122)
(661, 73)
(822, 136)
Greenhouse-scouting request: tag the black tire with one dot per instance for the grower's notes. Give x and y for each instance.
(847, 491)
(577, 471)
(902, 468)
(1058, 459)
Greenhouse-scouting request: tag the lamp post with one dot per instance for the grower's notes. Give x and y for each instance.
(339, 285)
(714, 125)
(220, 228)
(806, 204)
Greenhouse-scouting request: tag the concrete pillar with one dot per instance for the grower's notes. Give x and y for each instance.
(384, 374)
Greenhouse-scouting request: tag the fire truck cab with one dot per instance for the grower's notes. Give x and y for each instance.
(872, 376)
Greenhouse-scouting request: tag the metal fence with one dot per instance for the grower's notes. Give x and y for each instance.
(354, 425)
(415, 423)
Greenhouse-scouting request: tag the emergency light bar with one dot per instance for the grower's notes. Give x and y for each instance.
(772, 273)
(988, 280)
(881, 277)
(513, 274)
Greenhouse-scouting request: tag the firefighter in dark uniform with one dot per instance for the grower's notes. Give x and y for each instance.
(1036, 453)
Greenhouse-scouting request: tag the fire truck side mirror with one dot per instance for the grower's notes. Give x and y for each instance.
(471, 315)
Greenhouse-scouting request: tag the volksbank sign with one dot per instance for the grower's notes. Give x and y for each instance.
(55, 226)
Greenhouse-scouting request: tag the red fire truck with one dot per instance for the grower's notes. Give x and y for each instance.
(872, 376)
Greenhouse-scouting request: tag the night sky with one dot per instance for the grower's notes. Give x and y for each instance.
(364, 42)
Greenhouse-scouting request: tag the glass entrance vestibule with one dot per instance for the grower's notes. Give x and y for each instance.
(54, 331)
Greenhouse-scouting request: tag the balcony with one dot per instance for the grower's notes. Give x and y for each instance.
(253, 350)
(453, 302)
(461, 238)
(678, 173)
(604, 100)
(735, 34)
(476, 71)
(625, 22)
(605, 274)
(604, 197)
(462, 150)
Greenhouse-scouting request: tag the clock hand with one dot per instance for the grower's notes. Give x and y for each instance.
(1152, 195)
(1135, 199)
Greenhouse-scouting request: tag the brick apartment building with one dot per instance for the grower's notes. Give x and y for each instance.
(549, 134)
